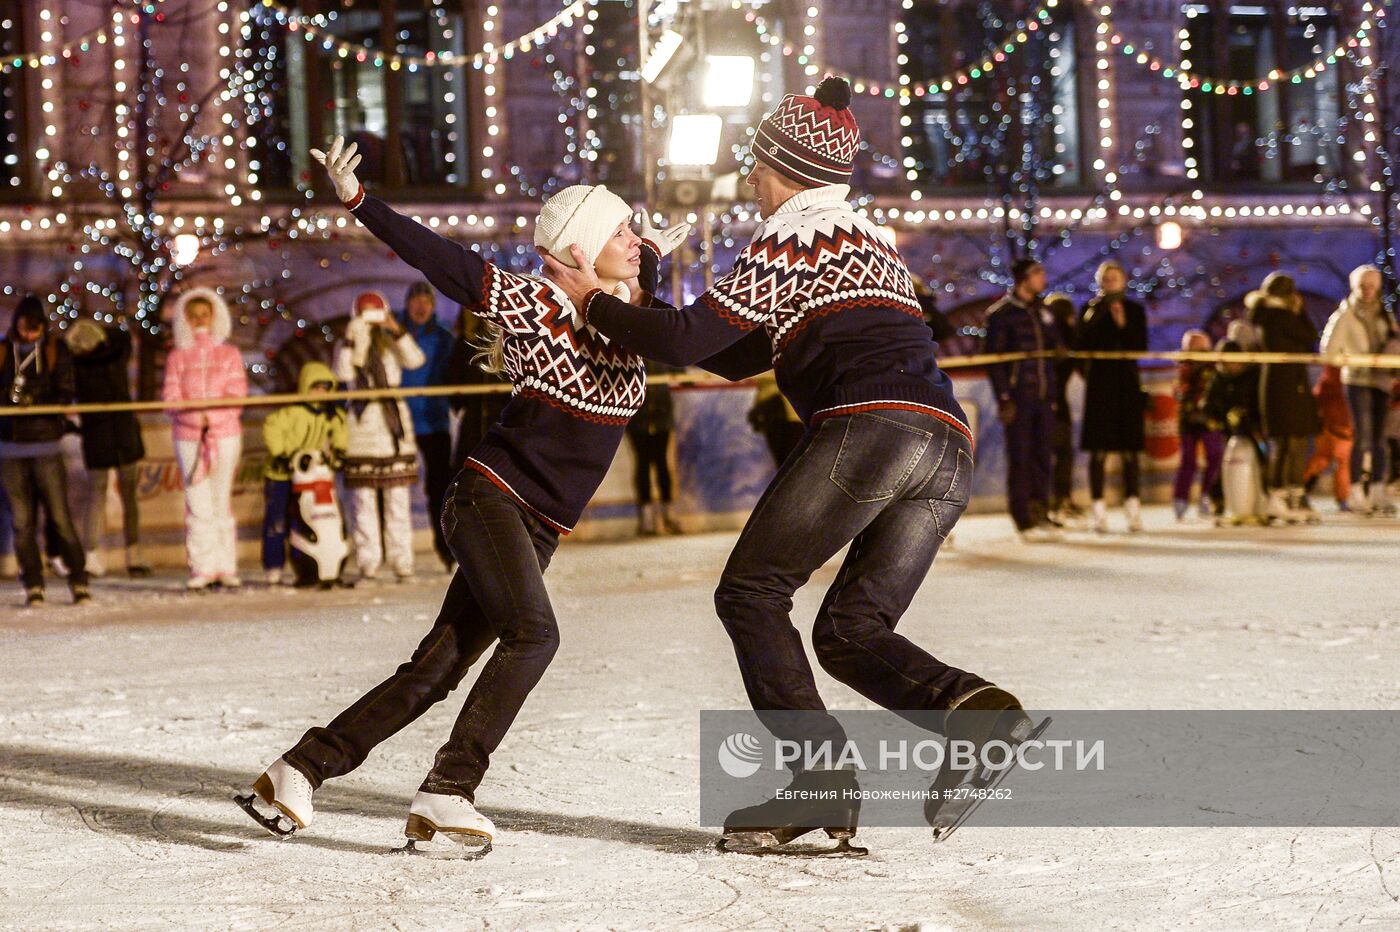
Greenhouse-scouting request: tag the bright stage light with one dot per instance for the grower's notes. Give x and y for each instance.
(694, 139)
(728, 80)
(1169, 235)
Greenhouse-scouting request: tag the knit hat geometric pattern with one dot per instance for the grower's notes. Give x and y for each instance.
(580, 214)
(811, 140)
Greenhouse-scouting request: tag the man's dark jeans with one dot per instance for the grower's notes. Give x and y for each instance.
(1030, 452)
(29, 482)
(891, 483)
(497, 594)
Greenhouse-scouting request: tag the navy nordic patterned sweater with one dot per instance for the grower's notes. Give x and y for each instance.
(820, 297)
(573, 391)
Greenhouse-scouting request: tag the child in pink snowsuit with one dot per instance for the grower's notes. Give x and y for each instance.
(208, 441)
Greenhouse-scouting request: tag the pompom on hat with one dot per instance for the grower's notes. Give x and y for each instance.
(580, 214)
(811, 140)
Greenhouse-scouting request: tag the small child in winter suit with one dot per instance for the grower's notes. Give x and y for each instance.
(1197, 429)
(286, 432)
(1334, 444)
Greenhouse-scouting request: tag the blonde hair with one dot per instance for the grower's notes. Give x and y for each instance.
(1191, 336)
(1105, 267)
(1358, 275)
(486, 338)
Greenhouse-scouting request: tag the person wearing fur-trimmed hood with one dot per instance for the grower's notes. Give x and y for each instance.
(208, 441)
(381, 451)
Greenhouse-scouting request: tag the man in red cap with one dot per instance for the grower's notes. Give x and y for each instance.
(821, 297)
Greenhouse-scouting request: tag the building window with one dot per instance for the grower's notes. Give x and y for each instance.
(1288, 133)
(1020, 121)
(410, 123)
(12, 155)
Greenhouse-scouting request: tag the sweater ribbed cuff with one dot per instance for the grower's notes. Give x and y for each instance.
(587, 300)
(357, 200)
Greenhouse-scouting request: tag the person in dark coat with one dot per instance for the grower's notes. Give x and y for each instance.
(432, 426)
(1062, 507)
(474, 360)
(111, 441)
(1288, 408)
(649, 432)
(36, 369)
(1114, 402)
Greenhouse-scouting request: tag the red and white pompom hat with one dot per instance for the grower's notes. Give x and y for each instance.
(370, 301)
(811, 140)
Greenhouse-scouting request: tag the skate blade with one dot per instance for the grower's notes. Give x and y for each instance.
(766, 843)
(279, 826)
(454, 846)
(952, 814)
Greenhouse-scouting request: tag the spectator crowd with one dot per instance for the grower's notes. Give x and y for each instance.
(1255, 439)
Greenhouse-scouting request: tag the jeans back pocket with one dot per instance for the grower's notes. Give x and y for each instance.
(877, 456)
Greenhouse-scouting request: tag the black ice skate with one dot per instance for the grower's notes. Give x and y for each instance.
(824, 799)
(956, 792)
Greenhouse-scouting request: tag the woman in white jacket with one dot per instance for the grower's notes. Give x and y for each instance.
(1359, 326)
(381, 454)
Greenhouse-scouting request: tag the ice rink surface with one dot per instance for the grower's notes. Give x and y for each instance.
(129, 724)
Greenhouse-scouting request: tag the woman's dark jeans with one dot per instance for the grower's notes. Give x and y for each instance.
(497, 594)
(891, 483)
(1369, 407)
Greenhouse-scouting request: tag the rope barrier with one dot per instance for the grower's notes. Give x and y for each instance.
(1376, 361)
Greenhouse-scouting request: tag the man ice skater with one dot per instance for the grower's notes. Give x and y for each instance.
(885, 465)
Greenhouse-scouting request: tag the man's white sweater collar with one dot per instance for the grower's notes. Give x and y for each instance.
(827, 195)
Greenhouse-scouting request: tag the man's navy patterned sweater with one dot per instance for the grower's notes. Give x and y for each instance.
(820, 297)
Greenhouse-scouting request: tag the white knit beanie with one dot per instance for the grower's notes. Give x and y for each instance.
(582, 214)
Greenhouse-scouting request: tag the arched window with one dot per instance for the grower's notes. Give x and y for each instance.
(411, 123)
(1290, 132)
(1020, 120)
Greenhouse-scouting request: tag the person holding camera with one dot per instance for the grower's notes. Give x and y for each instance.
(36, 369)
(381, 452)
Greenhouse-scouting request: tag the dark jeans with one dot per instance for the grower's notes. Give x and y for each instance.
(1030, 448)
(1368, 410)
(890, 483)
(497, 594)
(436, 450)
(29, 482)
(1063, 484)
(277, 498)
(650, 453)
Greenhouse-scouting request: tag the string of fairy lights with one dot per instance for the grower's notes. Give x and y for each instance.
(231, 143)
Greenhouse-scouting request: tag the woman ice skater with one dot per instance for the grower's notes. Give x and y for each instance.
(522, 487)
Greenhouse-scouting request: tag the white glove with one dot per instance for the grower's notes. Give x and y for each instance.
(340, 164)
(666, 240)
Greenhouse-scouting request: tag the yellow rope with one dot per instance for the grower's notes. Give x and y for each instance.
(956, 362)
